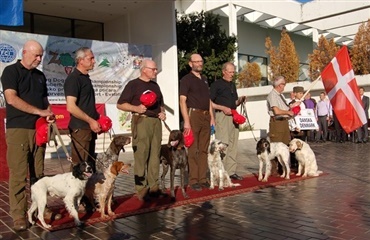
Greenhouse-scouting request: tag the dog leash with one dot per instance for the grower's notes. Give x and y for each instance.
(167, 127)
(244, 113)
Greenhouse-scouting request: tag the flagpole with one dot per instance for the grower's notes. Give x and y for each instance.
(311, 86)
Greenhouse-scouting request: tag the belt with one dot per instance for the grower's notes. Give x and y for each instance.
(324, 115)
(279, 118)
(205, 112)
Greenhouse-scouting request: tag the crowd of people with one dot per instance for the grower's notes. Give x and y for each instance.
(201, 106)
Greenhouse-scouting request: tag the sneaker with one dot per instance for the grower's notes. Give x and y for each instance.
(50, 215)
(20, 224)
(236, 177)
(196, 187)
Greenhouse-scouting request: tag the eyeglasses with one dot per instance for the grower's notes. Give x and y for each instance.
(283, 84)
(154, 69)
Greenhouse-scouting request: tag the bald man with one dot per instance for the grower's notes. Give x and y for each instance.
(26, 100)
(146, 128)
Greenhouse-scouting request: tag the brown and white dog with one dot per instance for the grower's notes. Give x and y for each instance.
(174, 156)
(306, 158)
(266, 152)
(103, 160)
(218, 175)
(100, 187)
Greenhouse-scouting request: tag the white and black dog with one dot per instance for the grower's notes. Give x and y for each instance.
(266, 152)
(70, 186)
(218, 174)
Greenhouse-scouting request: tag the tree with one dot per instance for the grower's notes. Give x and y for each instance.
(360, 54)
(250, 75)
(321, 56)
(284, 61)
(201, 33)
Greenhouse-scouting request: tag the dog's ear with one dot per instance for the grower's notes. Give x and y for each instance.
(299, 144)
(116, 168)
(77, 172)
(212, 147)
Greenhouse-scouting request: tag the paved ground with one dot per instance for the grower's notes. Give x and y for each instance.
(334, 206)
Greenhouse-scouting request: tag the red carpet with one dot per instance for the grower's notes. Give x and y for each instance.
(129, 205)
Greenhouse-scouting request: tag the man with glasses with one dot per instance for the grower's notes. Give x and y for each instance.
(146, 128)
(225, 98)
(197, 113)
(279, 112)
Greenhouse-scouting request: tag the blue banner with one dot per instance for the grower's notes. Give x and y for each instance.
(11, 12)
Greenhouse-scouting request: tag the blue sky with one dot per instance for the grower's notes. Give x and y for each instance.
(304, 1)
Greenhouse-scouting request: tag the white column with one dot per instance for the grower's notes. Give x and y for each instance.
(233, 29)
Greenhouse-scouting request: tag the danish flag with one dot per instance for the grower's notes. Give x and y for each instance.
(341, 86)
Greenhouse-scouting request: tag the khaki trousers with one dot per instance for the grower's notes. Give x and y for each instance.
(146, 143)
(22, 153)
(83, 146)
(198, 151)
(228, 132)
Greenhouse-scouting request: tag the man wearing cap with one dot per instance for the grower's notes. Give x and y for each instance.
(147, 108)
(224, 98)
(298, 94)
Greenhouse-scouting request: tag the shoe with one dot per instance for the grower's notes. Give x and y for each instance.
(142, 195)
(20, 224)
(157, 194)
(50, 215)
(236, 177)
(358, 141)
(196, 187)
(205, 185)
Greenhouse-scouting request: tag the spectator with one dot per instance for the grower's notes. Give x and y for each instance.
(323, 114)
(23, 108)
(224, 98)
(146, 128)
(310, 103)
(362, 132)
(197, 113)
(80, 99)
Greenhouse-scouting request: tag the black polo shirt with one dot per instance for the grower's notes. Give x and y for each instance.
(30, 86)
(79, 85)
(224, 93)
(196, 91)
(135, 88)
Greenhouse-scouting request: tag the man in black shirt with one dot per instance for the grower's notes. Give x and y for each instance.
(225, 98)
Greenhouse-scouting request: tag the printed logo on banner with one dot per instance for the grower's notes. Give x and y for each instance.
(7, 53)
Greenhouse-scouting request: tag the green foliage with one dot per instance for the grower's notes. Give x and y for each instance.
(201, 33)
(321, 56)
(360, 54)
(284, 60)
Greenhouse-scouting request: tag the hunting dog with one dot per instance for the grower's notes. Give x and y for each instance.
(218, 174)
(266, 152)
(174, 156)
(70, 186)
(104, 160)
(306, 158)
(100, 187)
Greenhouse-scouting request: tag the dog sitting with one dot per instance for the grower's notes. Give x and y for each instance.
(173, 155)
(306, 158)
(218, 174)
(100, 187)
(104, 160)
(266, 152)
(70, 186)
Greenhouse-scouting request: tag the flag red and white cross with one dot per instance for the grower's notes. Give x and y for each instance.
(341, 86)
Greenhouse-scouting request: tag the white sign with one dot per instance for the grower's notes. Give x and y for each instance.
(306, 120)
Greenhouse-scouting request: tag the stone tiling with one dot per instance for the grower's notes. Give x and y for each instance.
(333, 206)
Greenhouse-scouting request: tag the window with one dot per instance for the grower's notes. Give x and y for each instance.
(58, 26)
(261, 61)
